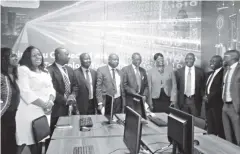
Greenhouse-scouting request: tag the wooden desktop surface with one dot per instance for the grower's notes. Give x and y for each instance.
(211, 144)
(98, 130)
(160, 130)
(104, 145)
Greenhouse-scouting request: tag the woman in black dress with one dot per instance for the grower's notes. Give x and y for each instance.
(9, 100)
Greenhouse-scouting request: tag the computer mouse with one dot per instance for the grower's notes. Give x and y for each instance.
(196, 142)
(84, 129)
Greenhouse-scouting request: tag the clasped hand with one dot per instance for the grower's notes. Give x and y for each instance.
(48, 108)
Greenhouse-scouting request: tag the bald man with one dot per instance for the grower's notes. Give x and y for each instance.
(110, 81)
(135, 81)
(85, 80)
(62, 78)
(190, 86)
(231, 97)
(213, 97)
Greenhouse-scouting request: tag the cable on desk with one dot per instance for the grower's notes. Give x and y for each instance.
(158, 142)
(162, 149)
(118, 150)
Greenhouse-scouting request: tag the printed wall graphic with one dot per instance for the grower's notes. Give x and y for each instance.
(123, 27)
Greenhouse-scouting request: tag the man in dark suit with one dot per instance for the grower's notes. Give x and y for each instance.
(231, 97)
(190, 86)
(85, 80)
(135, 80)
(110, 81)
(62, 78)
(213, 97)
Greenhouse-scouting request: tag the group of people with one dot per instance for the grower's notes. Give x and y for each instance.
(30, 90)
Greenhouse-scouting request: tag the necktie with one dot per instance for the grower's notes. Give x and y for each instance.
(208, 82)
(189, 81)
(66, 82)
(161, 71)
(138, 77)
(114, 79)
(226, 83)
(89, 84)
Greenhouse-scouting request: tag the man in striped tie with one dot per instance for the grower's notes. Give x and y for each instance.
(135, 80)
(62, 78)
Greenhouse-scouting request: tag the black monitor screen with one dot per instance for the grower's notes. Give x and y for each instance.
(180, 130)
(132, 130)
(138, 105)
(109, 107)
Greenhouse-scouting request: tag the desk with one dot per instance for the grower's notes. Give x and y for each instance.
(101, 145)
(158, 130)
(98, 129)
(211, 144)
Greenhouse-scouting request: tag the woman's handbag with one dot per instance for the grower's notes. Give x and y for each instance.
(40, 128)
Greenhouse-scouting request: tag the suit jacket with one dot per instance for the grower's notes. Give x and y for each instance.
(60, 108)
(199, 87)
(235, 88)
(81, 89)
(105, 84)
(169, 84)
(215, 91)
(130, 83)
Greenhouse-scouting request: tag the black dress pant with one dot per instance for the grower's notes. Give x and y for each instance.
(190, 107)
(231, 123)
(214, 122)
(117, 105)
(8, 130)
(162, 103)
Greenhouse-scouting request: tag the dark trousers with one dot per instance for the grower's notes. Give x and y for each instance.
(214, 120)
(162, 103)
(52, 127)
(34, 148)
(8, 130)
(189, 106)
(117, 105)
(231, 124)
(91, 107)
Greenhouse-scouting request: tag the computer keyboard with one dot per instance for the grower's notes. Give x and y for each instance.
(85, 122)
(159, 122)
(83, 150)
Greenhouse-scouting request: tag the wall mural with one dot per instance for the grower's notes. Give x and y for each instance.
(228, 19)
(123, 27)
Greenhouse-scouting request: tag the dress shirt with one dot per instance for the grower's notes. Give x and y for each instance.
(210, 82)
(118, 81)
(192, 79)
(90, 77)
(228, 93)
(62, 71)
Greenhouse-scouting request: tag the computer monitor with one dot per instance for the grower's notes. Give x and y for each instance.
(109, 109)
(138, 105)
(132, 130)
(180, 131)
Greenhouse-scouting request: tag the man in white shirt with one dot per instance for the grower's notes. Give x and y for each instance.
(231, 97)
(110, 81)
(190, 85)
(213, 97)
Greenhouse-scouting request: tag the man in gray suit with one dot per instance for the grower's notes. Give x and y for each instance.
(135, 80)
(110, 81)
(85, 80)
(231, 97)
